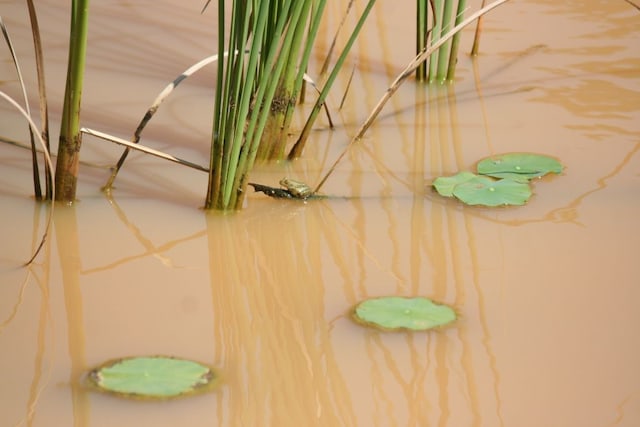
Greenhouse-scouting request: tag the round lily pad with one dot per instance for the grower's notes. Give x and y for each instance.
(152, 377)
(444, 185)
(518, 166)
(486, 191)
(393, 313)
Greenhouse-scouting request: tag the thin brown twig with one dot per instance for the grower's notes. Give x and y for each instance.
(346, 91)
(47, 158)
(42, 93)
(146, 150)
(34, 158)
(476, 38)
(153, 108)
(633, 4)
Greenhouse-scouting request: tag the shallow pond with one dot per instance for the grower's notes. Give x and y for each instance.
(547, 293)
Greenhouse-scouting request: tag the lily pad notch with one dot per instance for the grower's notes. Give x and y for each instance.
(402, 313)
(152, 377)
(502, 180)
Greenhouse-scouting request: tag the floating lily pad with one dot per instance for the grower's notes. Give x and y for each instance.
(518, 166)
(486, 191)
(444, 185)
(392, 313)
(154, 377)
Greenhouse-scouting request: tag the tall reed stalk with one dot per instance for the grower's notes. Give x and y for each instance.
(435, 37)
(443, 52)
(440, 66)
(455, 42)
(70, 137)
(422, 35)
(274, 140)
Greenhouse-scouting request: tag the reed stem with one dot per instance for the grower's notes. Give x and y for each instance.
(435, 36)
(455, 42)
(443, 52)
(67, 164)
(422, 35)
(476, 38)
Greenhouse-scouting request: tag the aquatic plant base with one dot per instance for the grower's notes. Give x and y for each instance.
(401, 313)
(152, 377)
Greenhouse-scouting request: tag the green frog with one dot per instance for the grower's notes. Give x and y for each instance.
(297, 189)
(290, 189)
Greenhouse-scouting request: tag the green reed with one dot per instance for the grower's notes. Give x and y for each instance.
(455, 42)
(422, 35)
(440, 66)
(257, 85)
(70, 137)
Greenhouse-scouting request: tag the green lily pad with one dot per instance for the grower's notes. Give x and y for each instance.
(153, 377)
(444, 185)
(486, 191)
(525, 166)
(393, 313)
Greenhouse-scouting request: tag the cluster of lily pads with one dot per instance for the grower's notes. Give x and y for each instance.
(501, 180)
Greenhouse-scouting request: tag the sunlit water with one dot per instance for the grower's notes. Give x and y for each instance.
(547, 293)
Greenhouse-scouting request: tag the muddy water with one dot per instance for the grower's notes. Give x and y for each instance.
(548, 331)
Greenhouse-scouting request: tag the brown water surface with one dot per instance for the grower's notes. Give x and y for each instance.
(547, 293)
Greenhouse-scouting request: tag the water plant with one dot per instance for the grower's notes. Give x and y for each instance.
(441, 65)
(261, 70)
(252, 88)
(483, 190)
(256, 92)
(502, 180)
(152, 377)
(520, 167)
(398, 313)
(70, 137)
